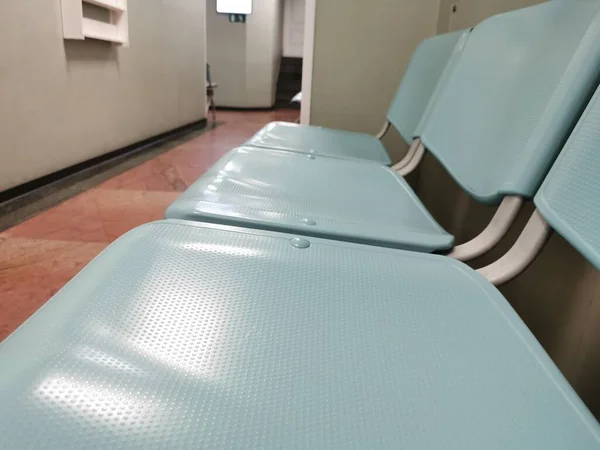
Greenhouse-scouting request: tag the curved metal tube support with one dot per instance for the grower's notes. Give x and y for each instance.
(522, 254)
(501, 222)
(408, 157)
(384, 130)
(414, 162)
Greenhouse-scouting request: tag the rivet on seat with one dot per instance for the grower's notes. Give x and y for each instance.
(307, 221)
(299, 243)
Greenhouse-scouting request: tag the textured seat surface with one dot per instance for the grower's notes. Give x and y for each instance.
(569, 199)
(512, 100)
(184, 335)
(313, 195)
(320, 141)
(424, 70)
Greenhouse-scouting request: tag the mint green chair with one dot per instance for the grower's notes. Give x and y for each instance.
(191, 335)
(423, 73)
(497, 121)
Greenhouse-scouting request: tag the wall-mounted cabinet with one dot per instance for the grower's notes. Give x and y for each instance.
(76, 26)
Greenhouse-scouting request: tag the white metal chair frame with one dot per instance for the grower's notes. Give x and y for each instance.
(505, 216)
(528, 246)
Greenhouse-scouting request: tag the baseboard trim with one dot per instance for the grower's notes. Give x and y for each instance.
(135, 148)
(244, 109)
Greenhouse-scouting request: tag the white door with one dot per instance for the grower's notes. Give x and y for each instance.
(293, 28)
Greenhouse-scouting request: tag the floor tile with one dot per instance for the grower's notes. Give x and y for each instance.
(41, 254)
(32, 270)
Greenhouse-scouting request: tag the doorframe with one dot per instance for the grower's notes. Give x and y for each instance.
(308, 59)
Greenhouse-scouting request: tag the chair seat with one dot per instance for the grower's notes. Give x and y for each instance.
(184, 335)
(320, 141)
(318, 196)
(297, 98)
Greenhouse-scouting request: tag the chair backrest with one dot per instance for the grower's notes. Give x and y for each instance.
(569, 198)
(424, 71)
(514, 96)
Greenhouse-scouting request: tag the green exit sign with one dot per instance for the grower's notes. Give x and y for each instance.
(237, 18)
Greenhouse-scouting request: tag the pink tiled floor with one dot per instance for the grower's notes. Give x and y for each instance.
(38, 256)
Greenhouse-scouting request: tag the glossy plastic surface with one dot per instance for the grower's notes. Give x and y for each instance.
(569, 199)
(183, 336)
(320, 141)
(312, 195)
(514, 96)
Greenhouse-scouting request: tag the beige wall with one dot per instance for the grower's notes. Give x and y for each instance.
(264, 47)
(63, 102)
(361, 52)
(559, 295)
(470, 12)
(226, 54)
(245, 58)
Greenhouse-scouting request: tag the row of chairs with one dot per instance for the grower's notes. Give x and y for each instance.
(290, 299)
(494, 106)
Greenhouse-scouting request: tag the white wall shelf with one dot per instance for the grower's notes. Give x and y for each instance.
(113, 5)
(75, 26)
